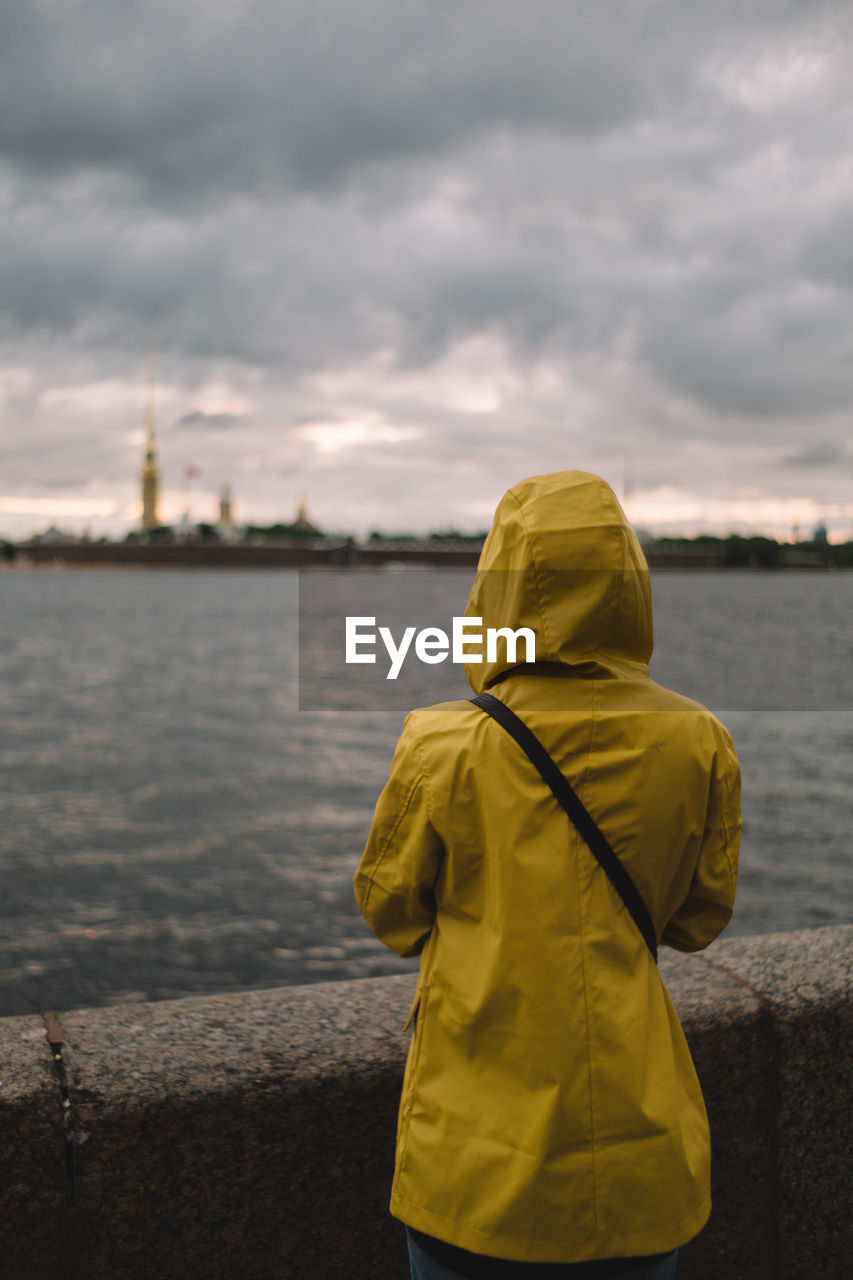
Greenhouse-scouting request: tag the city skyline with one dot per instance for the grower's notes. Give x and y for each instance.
(393, 258)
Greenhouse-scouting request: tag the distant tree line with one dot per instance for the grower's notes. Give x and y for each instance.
(445, 535)
(763, 553)
(205, 532)
(278, 530)
(736, 550)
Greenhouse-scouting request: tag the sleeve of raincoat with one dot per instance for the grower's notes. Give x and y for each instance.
(707, 908)
(394, 881)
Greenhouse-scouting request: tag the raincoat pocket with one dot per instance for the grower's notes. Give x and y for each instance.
(413, 1012)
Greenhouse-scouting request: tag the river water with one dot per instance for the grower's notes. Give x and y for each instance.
(172, 823)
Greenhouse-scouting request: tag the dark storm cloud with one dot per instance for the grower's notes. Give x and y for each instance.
(823, 454)
(190, 97)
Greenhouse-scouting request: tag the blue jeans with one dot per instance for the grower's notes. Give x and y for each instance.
(425, 1268)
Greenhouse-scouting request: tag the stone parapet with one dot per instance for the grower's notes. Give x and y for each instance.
(250, 1136)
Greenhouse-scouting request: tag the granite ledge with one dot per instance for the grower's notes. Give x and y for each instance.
(252, 1134)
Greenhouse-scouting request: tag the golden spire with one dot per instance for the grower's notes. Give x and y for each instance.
(150, 467)
(226, 507)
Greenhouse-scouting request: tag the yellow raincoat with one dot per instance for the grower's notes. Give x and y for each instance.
(550, 1109)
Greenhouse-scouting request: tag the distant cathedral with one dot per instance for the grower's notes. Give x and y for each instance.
(150, 466)
(150, 479)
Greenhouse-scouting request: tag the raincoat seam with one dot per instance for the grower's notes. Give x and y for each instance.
(415, 1052)
(616, 597)
(586, 999)
(371, 881)
(534, 565)
(725, 826)
(424, 776)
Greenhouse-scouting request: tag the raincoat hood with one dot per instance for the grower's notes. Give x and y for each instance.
(562, 560)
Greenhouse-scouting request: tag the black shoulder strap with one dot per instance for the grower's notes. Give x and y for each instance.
(574, 807)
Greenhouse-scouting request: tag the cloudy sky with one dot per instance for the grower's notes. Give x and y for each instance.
(393, 255)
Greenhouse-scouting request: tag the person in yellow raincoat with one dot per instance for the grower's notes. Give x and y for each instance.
(550, 1111)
